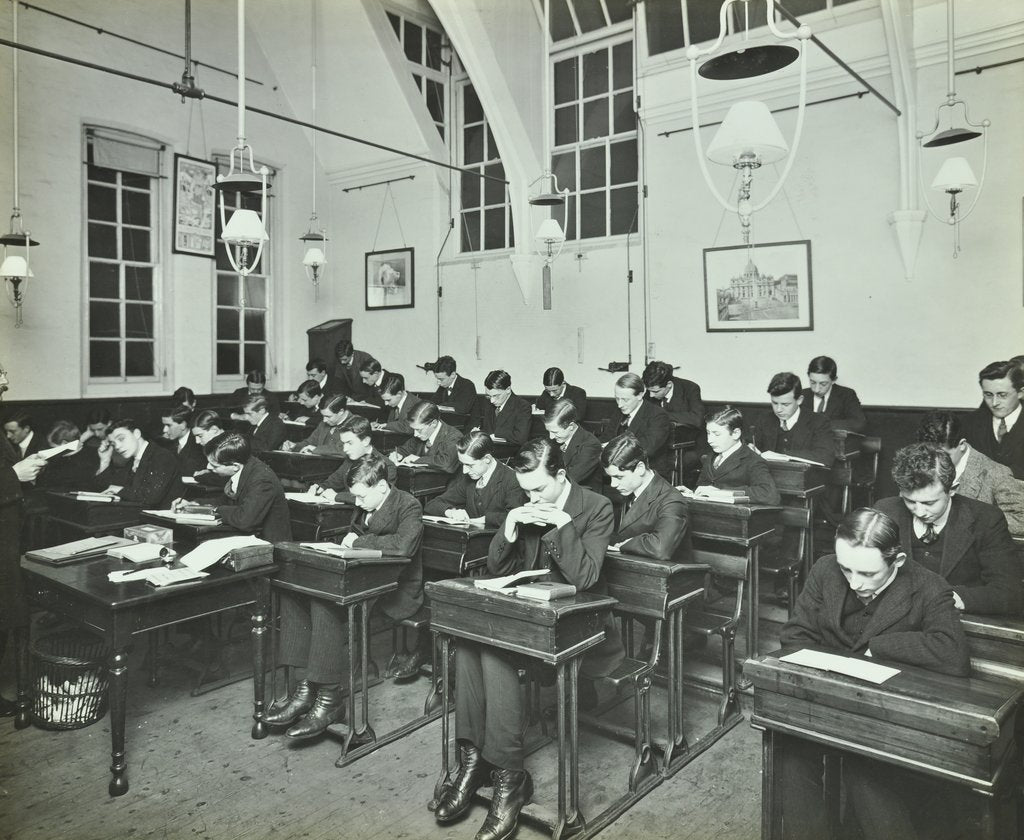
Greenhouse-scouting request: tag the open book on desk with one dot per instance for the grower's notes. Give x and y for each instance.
(93, 496)
(72, 552)
(501, 584)
(778, 457)
(870, 671)
(466, 523)
(336, 550)
(308, 498)
(185, 518)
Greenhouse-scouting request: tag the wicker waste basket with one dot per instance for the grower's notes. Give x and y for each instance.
(69, 680)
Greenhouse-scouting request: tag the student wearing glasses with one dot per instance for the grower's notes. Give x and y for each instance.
(506, 416)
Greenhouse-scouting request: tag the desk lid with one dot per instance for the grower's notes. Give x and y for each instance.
(462, 592)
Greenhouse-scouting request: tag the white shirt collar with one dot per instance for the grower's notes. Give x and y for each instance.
(669, 391)
(383, 499)
(182, 441)
(647, 483)
(401, 402)
(821, 400)
(259, 423)
(233, 481)
(792, 421)
(565, 444)
(735, 447)
(433, 435)
(880, 589)
(498, 408)
(938, 524)
(482, 482)
(451, 385)
(561, 500)
(632, 414)
(23, 446)
(139, 453)
(1011, 420)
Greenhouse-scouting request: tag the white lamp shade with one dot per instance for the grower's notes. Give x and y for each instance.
(15, 267)
(955, 176)
(749, 130)
(314, 258)
(550, 231)
(244, 228)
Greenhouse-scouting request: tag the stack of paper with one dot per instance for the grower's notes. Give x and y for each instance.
(185, 518)
(445, 520)
(500, 583)
(210, 552)
(870, 671)
(308, 498)
(778, 456)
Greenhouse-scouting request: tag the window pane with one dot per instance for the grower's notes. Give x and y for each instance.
(565, 125)
(435, 100)
(227, 359)
(138, 283)
(102, 203)
(413, 42)
(703, 18)
(138, 358)
(491, 152)
(624, 211)
(622, 65)
(804, 7)
(98, 173)
(104, 280)
(138, 320)
(135, 208)
(255, 292)
(570, 222)
(595, 73)
(249, 201)
(619, 10)
(592, 169)
(511, 232)
(255, 329)
(396, 24)
(104, 358)
(135, 244)
(472, 110)
(221, 251)
(664, 25)
(563, 167)
(104, 320)
(473, 144)
(102, 241)
(742, 21)
(470, 191)
(623, 159)
(227, 290)
(592, 211)
(589, 14)
(494, 228)
(130, 179)
(227, 325)
(624, 117)
(494, 191)
(565, 81)
(433, 49)
(255, 357)
(595, 118)
(561, 24)
(470, 231)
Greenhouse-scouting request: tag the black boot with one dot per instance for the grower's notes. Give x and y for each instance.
(473, 773)
(512, 790)
(326, 710)
(297, 705)
(409, 664)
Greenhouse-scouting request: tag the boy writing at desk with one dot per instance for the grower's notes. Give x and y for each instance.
(357, 443)
(433, 444)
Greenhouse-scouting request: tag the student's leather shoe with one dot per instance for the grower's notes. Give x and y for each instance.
(296, 706)
(326, 710)
(512, 790)
(408, 666)
(473, 773)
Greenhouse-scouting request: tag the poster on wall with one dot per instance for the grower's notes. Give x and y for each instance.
(389, 279)
(758, 287)
(194, 206)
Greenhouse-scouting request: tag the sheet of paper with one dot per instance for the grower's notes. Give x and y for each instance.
(769, 455)
(165, 577)
(140, 553)
(185, 518)
(501, 583)
(210, 552)
(869, 671)
(125, 575)
(70, 446)
(187, 479)
(686, 491)
(90, 496)
(308, 498)
(444, 520)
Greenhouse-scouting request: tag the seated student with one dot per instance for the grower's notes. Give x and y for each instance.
(316, 371)
(556, 388)
(349, 360)
(177, 423)
(839, 404)
(581, 451)
(356, 443)
(871, 598)
(207, 425)
(399, 402)
(486, 490)
(506, 416)
(792, 430)
(566, 529)
(453, 391)
(977, 476)
(268, 430)
(73, 470)
(186, 397)
(648, 422)
(994, 429)
(255, 502)
(963, 540)
(151, 476)
(309, 398)
(97, 423)
(20, 431)
(255, 386)
(733, 466)
(372, 375)
(325, 439)
(679, 397)
(433, 443)
(313, 629)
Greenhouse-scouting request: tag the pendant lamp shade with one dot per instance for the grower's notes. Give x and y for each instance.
(244, 228)
(955, 175)
(15, 267)
(314, 258)
(550, 232)
(748, 131)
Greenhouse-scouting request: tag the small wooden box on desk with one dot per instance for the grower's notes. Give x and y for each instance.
(335, 578)
(454, 550)
(422, 482)
(72, 518)
(316, 522)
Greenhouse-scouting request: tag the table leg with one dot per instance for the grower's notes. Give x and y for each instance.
(21, 672)
(753, 596)
(809, 557)
(769, 807)
(260, 623)
(444, 778)
(560, 691)
(118, 694)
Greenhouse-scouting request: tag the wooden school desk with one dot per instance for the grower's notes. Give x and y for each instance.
(422, 482)
(301, 469)
(454, 550)
(319, 521)
(74, 519)
(806, 483)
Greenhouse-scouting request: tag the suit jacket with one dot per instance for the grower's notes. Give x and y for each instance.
(190, 457)
(155, 484)
(511, 423)
(337, 480)
(574, 394)
(36, 444)
(396, 529)
(240, 395)
(398, 419)
(14, 610)
(348, 377)
(574, 554)
(842, 408)
(810, 438)
(332, 385)
(915, 622)
(654, 524)
(980, 434)
(985, 480)
(583, 460)
(442, 455)
(744, 469)
(259, 506)
(493, 502)
(685, 408)
(325, 440)
(270, 434)
(653, 428)
(978, 557)
(461, 398)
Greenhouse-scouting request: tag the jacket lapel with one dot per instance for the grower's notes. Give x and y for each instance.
(959, 534)
(895, 604)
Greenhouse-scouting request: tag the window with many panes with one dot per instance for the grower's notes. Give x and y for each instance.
(486, 214)
(422, 45)
(242, 304)
(122, 219)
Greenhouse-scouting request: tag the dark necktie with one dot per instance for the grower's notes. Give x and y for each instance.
(929, 536)
(718, 461)
(624, 424)
(1001, 431)
(785, 426)
(821, 407)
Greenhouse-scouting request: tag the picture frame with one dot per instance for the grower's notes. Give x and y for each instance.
(390, 279)
(195, 207)
(759, 288)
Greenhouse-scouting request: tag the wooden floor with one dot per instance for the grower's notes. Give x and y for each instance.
(195, 772)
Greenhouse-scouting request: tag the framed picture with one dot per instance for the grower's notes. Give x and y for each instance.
(194, 206)
(390, 283)
(761, 287)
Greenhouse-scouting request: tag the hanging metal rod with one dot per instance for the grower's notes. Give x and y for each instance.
(978, 70)
(124, 74)
(379, 183)
(101, 31)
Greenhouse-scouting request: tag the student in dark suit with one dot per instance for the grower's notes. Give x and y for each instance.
(177, 424)
(305, 406)
(207, 425)
(556, 388)
(350, 361)
(679, 397)
(400, 404)
(454, 391)
(648, 422)
(313, 630)
(184, 396)
(255, 386)
(433, 441)
(793, 430)
(869, 597)
(316, 371)
(487, 490)
(325, 439)
(837, 403)
(372, 375)
(20, 431)
(581, 451)
(733, 466)
(965, 541)
(506, 415)
(995, 429)
(357, 444)
(565, 528)
(151, 477)
(71, 471)
(268, 430)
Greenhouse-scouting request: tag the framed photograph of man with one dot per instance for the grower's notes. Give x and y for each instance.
(390, 281)
(194, 206)
(760, 287)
